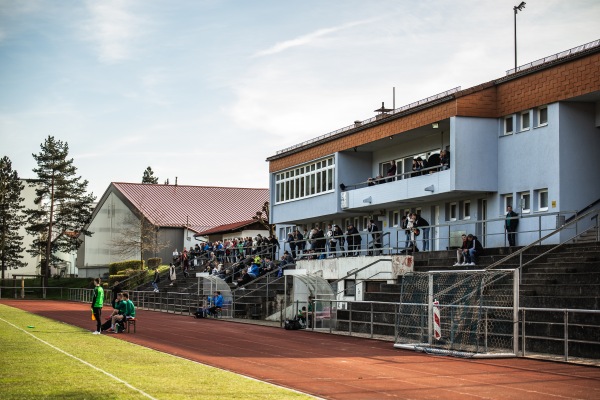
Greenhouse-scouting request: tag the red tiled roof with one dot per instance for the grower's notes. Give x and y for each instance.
(201, 207)
(234, 227)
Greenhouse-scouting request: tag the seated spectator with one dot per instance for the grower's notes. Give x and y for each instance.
(434, 161)
(370, 182)
(119, 310)
(245, 278)
(460, 258)
(475, 249)
(217, 303)
(269, 266)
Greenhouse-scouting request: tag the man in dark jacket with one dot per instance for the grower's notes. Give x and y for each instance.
(376, 234)
(512, 221)
(353, 239)
(423, 225)
(475, 249)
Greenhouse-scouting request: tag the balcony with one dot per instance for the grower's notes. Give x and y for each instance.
(406, 188)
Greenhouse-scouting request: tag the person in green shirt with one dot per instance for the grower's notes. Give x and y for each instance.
(97, 303)
(124, 310)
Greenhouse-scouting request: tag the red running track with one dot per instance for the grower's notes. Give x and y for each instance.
(339, 367)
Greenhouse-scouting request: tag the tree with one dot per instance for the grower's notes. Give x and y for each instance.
(263, 217)
(149, 176)
(64, 208)
(11, 217)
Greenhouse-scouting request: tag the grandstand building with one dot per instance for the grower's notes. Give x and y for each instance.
(529, 139)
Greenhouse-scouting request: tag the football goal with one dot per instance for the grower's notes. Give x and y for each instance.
(460, 313)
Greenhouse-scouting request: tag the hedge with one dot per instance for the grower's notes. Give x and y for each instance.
(154, 262)
(115, 267)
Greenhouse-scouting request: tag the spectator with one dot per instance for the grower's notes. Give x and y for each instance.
(353, 238)
(444, 159)
(391, 172)
(217, 304)
(405, 221)
(172, 274)
(175, 256)
(512, 221)
(475, 249)
(376, 234)
(97, 303)
(332, 235)
(423, 225)
(414, 231)
(291, 241)
(155, 280)
(300, 245)
(115, 291)
(120, 307)
(339, 235)
(461, 251)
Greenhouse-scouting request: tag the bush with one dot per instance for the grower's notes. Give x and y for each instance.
(154, 262)
(114, 268)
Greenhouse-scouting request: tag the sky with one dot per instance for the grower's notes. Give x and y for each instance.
(206, 90)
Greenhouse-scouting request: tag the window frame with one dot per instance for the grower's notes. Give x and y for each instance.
(539, 111)
(307, 180)
(522, 127)
(522, 196)
(352, 283)
(466, 207)
(512, 125)
(539, 200)
(453, 211)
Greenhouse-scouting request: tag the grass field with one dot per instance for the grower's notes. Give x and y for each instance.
(42, 358)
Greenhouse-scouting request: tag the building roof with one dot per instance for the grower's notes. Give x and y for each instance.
(233, 227)
(200, 207)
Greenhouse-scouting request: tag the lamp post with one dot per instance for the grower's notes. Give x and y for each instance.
(518, 8)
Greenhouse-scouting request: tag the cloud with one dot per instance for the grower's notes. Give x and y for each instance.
(308, 39)
(113, 28)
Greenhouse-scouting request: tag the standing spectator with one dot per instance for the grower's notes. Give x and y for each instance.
(444, 159)
(274, 246)
(512, 221)
(292, 243)
(333, 240)
(424, 227)
(414, 231)
(155, 280)
(475, 249)
(376, 234)
(97, 303)
(175, 256)
(391, 172)
(339, 235)
(353, 238)
(172, 274)
(300, 245)
(406, 230)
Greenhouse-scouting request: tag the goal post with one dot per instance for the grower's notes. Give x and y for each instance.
(461, 313)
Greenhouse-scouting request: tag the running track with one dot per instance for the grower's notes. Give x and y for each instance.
(339, 367)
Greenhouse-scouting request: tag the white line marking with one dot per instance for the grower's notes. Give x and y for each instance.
(82, 361)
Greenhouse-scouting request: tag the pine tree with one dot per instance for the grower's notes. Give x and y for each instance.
(149, 176)
(64, 208)
(11, 217)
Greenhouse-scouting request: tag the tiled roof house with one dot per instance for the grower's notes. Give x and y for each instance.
(180, 212)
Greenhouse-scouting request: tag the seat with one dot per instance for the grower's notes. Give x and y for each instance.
(131, 321)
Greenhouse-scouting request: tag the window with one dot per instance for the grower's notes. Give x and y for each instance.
(542, 199)
(349, 287)
(396, 219)
(525, 199)
(467, 210)
(525, 122)
(542, 114)
(508, 125)
(306, 181)
(453, 211)
(508, 201)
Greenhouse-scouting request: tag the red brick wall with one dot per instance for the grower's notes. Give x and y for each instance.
(487, 100)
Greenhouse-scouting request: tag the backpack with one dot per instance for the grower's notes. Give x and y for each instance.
(292, 324)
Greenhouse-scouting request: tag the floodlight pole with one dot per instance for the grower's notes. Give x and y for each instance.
(516, 9)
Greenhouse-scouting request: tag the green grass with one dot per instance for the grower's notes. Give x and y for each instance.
(32, 369)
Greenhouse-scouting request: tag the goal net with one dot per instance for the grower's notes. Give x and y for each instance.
(460, 313)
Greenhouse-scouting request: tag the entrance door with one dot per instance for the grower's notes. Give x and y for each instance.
(435, 213)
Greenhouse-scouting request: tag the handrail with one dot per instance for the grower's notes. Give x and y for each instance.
(353, 272)
(540, 240)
